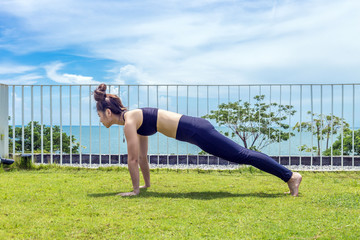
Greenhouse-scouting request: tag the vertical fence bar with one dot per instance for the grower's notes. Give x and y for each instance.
(100, 162)
(312, 124)
(119, 137)
(138, 105)
(70, 121)
(353, 128)
(207, 112)
(32, 124)
(128, 96)
(90, 124)
(218, 103)
(197, 115)
(167, 139)
(269, 134)
(148, 104)
(157, 134)
(301, 110)
(187, 113)
(322, 126)
(342, 125)
(51, 129)
(259, 131)
(280, 130)
(177, 110)
(109, 136)
(61, 128)
(228, 111)
(290, 127)
(332, 123)
(22, 121)
(42, 124)
(13, 120)
(249, 114)
(80, 127)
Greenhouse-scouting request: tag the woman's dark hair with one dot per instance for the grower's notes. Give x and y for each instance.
(107, 101)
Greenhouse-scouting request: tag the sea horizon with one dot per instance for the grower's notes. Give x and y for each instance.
(104, 140)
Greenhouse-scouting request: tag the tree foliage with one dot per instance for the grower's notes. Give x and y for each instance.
(257, 125)
(323, 127)
(347, 144)
(37, 139)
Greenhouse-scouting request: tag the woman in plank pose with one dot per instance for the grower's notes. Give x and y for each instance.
(143, 122)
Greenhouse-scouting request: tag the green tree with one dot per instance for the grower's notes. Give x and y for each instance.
(37, 139)
(347, 143)
(257, 125)
(323, 127)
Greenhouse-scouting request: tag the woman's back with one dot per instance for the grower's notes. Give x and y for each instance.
(166, 121)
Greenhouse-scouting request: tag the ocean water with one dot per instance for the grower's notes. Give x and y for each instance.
(98, 140)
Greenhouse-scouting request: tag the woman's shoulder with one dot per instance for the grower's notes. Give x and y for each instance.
(133, 115)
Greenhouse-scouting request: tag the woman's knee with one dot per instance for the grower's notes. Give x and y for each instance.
(143, 159)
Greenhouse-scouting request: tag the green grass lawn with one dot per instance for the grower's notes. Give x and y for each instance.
(71, 203)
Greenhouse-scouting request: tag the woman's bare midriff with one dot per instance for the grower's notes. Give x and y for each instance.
(167, 123)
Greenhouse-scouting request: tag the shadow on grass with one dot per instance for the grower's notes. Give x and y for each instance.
(196, 195)
(102, 194)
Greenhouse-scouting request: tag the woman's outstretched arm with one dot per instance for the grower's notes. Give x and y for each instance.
(133, 156)
(143, 161)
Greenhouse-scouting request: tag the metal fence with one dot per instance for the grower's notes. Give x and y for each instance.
(41, 115)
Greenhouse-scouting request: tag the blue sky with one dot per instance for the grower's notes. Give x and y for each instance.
(179, 42)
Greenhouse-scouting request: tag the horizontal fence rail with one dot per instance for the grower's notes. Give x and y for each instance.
(296, 124)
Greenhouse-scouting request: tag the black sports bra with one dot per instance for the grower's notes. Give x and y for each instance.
(148, 126)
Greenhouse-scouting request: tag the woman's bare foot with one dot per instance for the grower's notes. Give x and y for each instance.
(128, 194)
(294, 184)
(144, 186)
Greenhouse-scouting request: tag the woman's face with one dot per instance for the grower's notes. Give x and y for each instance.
(105, 118)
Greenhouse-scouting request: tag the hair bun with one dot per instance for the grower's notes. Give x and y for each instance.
(100, 92)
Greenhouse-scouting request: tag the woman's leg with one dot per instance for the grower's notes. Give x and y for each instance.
(217, 144)
(201, 133)
(213, 142)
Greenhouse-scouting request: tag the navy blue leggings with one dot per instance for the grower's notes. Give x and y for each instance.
(202, 133)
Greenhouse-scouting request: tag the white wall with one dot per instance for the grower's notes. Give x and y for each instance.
(4, 113)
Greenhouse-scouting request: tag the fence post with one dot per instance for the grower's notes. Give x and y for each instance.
(4, 121)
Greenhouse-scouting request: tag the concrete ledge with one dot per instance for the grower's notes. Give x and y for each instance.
(197, 160)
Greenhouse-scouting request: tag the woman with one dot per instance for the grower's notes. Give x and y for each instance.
(141, 123)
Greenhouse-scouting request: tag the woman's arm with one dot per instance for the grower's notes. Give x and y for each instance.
(143, 161)
(133, 155)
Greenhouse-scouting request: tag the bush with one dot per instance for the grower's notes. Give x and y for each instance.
(25, 162)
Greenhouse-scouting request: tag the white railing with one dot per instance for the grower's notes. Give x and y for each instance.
(72, 109)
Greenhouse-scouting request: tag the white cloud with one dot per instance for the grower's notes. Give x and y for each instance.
(206, 42)
(7, 68)
(52, 73)
(113, 90)
(129, 74)
(23, 79)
